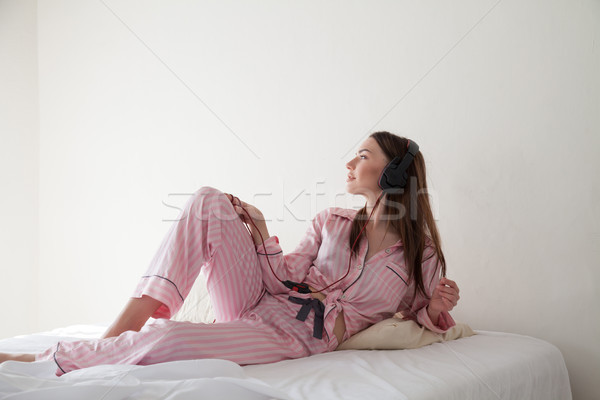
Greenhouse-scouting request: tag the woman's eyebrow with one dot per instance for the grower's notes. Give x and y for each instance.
(364, 150)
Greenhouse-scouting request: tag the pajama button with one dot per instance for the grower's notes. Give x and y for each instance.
(359, 266)
(387, 251)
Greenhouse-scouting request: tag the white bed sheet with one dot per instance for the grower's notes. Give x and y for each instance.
(489, 365)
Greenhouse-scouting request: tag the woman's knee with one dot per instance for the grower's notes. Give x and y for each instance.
(209, 202)
(207, 190)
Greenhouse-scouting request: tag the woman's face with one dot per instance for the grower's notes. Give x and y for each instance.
(365, 169)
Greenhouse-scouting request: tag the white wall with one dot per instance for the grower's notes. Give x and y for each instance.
(19, 162)
(140, 101)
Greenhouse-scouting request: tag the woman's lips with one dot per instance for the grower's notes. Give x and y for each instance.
(349, 178)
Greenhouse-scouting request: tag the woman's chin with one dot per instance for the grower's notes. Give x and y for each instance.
(350, 189)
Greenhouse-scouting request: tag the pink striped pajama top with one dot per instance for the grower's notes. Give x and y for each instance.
(255, 320)
(373, 290)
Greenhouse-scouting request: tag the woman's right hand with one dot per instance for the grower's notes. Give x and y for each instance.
(252, 216)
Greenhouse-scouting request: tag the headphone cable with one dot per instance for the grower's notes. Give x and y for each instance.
(302, 287)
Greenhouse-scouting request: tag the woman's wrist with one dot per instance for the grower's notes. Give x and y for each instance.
(257, 232)
(434, 316)
(258, 240)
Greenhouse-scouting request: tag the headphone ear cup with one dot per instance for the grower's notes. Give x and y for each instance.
(390, 176)
(383, 177)
(395, 175)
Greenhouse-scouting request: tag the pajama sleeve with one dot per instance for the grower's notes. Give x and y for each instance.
(417, 311)
(293, 266)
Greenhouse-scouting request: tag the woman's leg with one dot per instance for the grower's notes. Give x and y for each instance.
(134, 315)
(243, 341)
(268, 333)
(16, 357)
(208, 234)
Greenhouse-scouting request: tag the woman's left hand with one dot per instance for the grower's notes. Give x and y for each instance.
(445, 296)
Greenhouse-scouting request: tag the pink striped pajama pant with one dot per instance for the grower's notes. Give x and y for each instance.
(252, 325)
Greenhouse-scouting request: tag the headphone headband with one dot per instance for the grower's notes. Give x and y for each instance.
(394, 175)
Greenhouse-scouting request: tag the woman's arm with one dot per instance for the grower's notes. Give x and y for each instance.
(292, 266)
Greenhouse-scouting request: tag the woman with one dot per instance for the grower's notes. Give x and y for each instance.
(351, 270)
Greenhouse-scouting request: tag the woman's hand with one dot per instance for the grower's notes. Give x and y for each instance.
(444, 298)
(253, 217)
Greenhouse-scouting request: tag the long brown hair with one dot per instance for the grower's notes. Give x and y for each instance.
(407, 210)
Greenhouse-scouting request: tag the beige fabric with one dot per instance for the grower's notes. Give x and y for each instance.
(395, 334)
(196, 307)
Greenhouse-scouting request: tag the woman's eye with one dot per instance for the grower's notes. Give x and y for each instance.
(363, 156)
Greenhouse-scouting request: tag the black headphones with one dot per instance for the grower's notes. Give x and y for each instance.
(394, 174)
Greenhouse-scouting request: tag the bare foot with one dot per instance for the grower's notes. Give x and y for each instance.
(16, 357)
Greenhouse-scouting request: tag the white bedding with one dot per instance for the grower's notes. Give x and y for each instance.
(489, 365)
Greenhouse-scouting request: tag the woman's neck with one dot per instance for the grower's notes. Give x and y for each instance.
(375, 222)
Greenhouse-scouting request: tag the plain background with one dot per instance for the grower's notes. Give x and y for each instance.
(113, 112)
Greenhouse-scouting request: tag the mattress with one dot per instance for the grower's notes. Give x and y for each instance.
(488, 365)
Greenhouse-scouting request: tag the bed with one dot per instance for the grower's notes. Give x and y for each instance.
(487, 365)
